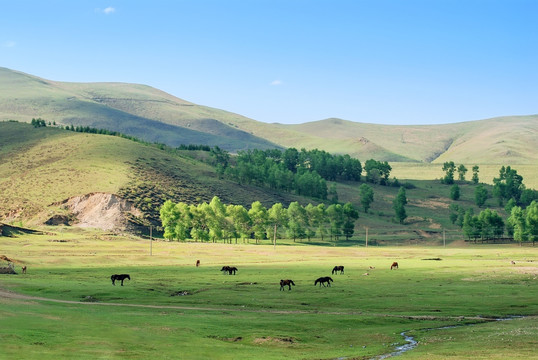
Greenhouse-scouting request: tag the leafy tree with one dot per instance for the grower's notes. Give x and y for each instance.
(527, 196)
(291, 159)
(471, 225)
(455, 192)
(169, 217)
(377, 172)
(475, 174)
(317, 219)
(297, 221)
(508, 185)
(480, 195)
(462, 170)
(531, 221)
(525, 222)
(448, 167)
(351, 214)
(399, 205)
(491, 224)
(241, 220)
(518, 223)
(258, 217)
(176, 220)
(509, 205)
(366, 194)
(200, 214)
(335, 213)
(276, 216)
(216, 219)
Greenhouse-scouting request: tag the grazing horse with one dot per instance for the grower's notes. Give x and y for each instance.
(230, 269)
(24, 269)
(323, 280)
(286, 282)
(336, 269)
(394, 265)
(197, 263)
(120, 277)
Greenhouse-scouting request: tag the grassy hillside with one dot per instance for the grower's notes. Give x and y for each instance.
(156, 116)
(136, 110)
(505, 140)
(41, 166)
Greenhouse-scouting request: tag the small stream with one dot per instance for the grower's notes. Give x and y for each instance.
(411, 343)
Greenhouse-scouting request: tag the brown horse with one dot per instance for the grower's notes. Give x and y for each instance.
(24, 269)
(286, 282)
(394, 265)
(197, 263)
(323, 280)
(120, 277)
(336, 269)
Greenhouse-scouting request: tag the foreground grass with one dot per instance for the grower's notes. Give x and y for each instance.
(246, 316)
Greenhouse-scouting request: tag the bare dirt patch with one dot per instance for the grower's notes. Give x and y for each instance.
(274, 340)
(100, 210)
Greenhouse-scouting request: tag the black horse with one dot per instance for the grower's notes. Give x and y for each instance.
(286, 282)
(119, 277)
(336, 269)
(230, 269)
(323, 280)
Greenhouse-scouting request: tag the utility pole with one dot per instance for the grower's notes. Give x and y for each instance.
(366, 236)
(444, 238)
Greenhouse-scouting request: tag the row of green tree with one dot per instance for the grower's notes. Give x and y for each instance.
(215, 221)
(508, 187)
(521, 225)
(304, 172)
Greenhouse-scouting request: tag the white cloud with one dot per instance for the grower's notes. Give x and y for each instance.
(10, 44)
(276, 82)
(109, 10)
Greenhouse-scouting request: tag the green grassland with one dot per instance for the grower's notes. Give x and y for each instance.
(246, 316)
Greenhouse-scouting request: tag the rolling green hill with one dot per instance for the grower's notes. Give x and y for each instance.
(40, 167)
(156, 116)
(137, 110)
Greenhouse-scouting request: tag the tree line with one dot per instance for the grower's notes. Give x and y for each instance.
(521, 225)
(216, 221)
(519, 202)
(303, 172)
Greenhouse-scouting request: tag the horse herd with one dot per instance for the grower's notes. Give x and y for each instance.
(232, 270)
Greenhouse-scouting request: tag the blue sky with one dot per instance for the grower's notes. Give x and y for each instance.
(293, 61)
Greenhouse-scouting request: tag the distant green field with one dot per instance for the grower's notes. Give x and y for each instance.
(418, 171)
(172, 309)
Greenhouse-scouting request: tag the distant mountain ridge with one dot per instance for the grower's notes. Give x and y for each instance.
(154, 115)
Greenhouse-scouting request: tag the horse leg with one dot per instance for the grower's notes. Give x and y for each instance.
(121, 282)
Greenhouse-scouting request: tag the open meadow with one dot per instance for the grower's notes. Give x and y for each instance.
(445, 298)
